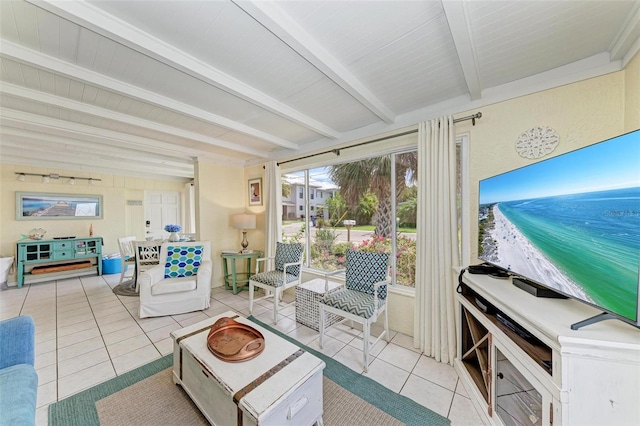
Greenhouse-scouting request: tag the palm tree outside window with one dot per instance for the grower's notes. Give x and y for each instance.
(380, 195)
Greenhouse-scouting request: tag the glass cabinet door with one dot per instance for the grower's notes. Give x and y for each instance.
(517, 400)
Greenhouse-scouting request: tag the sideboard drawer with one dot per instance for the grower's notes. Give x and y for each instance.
(63, 245)
(63, 254)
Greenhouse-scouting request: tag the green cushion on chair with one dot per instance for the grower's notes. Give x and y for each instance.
(352, 301)
(272, 278)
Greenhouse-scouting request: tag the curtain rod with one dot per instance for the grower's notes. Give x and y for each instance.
(336, 151)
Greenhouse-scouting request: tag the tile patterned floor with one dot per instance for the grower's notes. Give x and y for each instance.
(85, 334)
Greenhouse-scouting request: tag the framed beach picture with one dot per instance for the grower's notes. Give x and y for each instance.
(44, 206)
(255, 192)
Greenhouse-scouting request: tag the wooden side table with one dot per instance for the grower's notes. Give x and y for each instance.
(236, 279)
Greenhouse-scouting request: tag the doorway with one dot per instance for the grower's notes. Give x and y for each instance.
(161, 208)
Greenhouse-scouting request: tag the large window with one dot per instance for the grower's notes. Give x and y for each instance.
(370, 206)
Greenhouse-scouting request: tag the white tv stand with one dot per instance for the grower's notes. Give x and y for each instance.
(559, 376)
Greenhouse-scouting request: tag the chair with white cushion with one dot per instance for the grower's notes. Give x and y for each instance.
(180, 283)
(363, 297)
(280, 273)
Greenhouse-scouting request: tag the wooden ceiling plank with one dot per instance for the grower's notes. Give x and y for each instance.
(278, 22)
(86, 108)
(46, 124)
(21, 54)
(100, 22)
(99, 148)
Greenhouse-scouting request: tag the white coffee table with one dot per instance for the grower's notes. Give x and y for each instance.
(307, 296)
(240, 393)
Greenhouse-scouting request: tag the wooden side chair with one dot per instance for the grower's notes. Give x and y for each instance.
(280, 273)
(363, 297)
(127, 256)
(147, 255)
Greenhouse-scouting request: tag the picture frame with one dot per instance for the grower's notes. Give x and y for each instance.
(52, 206)
(255, 192)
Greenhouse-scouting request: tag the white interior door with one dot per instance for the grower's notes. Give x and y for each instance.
(161, 208)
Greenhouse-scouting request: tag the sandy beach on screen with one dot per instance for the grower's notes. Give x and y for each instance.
(515, 250)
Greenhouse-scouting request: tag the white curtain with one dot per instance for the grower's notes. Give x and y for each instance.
(190, 207)
(273, 188)
(437, 244)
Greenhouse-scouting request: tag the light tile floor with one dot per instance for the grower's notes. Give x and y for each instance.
(85, 334)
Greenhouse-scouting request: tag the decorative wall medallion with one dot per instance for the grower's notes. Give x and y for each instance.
(537, 142)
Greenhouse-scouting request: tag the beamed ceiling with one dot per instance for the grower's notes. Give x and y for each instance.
(145, 88)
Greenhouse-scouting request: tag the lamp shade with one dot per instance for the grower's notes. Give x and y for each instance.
(244, 221)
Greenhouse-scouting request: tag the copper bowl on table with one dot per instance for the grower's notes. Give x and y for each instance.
(232, 341)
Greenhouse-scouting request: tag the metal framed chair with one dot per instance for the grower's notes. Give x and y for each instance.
(363, 297)
(280, 273)
(127, 256)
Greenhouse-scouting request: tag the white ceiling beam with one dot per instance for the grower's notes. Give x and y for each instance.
(28, 56)
(17, 146)
(97, 150)
(626, 42)
(81, 107)
(273, 18)
(14, 118)
(458, 21)
(16, 149)
(63, 163)
(99, 21)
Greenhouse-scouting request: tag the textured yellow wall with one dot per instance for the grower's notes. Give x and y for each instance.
(582, 113)
(632, 94)
(220, 193)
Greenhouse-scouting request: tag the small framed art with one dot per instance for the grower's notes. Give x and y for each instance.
(255, 192)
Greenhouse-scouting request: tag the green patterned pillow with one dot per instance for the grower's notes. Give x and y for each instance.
(182, 261)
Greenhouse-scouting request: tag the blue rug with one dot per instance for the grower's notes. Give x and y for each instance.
(80, 409)
(402, 408)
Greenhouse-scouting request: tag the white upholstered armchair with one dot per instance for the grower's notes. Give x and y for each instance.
(180, 283)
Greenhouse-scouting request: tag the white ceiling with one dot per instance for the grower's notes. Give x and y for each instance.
(144, 88)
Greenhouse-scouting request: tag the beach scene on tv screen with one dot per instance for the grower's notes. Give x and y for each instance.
(571, 223)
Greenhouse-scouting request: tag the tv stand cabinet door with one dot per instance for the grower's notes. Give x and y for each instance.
(602, 382)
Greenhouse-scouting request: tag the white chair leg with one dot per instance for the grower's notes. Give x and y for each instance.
(386, 325)
(123, 271)
(365, 339)
(321, 324)
(276, 305)
(251, 288)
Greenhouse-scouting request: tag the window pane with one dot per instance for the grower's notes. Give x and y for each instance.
(406, 217)
(293, 226)
(352, 207)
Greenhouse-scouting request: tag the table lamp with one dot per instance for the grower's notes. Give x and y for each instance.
(244, 222)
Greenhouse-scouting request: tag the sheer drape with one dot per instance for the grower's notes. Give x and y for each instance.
(273, 188)
(437, 240)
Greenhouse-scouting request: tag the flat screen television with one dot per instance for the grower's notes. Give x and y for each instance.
(572, 224)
